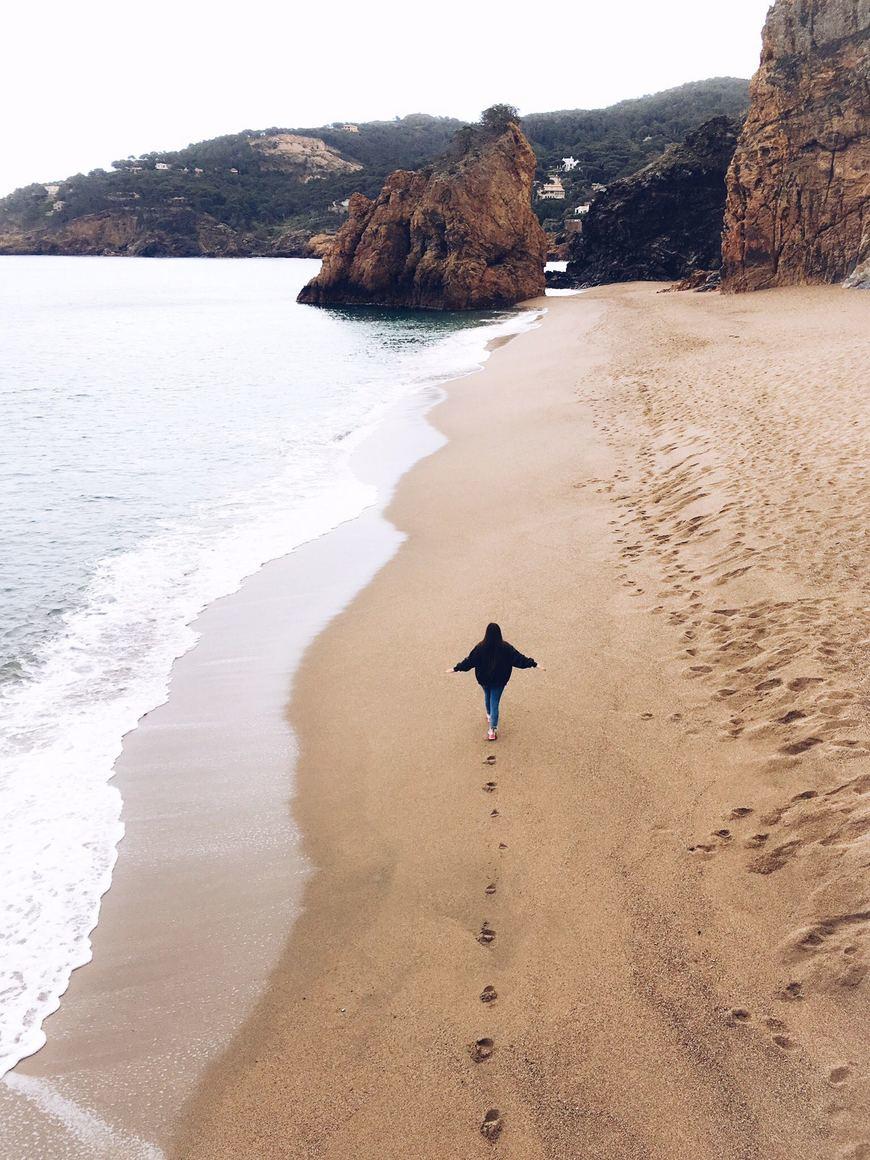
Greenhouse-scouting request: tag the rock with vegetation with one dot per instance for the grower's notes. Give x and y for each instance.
(663, 222)
(457, 235)
(798, 199)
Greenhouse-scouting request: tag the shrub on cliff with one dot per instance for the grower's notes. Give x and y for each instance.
(497, 118)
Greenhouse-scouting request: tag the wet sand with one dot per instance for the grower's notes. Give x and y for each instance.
(660, 868)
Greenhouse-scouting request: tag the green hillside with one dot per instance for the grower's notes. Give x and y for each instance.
(249, 193)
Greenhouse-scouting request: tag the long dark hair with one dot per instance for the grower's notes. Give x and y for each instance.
(490, 648)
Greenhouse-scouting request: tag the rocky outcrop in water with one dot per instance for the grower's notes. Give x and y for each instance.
(663, 222)
(798, 207)
(458, 235)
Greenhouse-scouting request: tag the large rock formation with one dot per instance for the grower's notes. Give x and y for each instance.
(798, 197)
(665, 221)
(459, 235)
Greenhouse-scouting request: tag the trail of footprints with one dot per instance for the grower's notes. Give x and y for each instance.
(481, 1050)
(747, 513)
(832, 947)
(725, 494)
(776, 1029)
(722, 491)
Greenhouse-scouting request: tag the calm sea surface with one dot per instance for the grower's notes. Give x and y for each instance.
(167, 427)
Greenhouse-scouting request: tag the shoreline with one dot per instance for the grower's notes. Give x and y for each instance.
(174, 893)
(630, 1020)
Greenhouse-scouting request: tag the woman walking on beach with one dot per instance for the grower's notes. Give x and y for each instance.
(493, 661)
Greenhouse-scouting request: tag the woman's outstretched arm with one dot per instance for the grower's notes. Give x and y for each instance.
(522, 662)
(468, 663)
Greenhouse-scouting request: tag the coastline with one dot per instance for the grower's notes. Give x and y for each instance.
(210, 856)
(645, 970)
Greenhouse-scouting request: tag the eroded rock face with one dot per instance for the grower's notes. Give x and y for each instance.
(458, 236)
(308, 157)
(798, 200)
(663, 222)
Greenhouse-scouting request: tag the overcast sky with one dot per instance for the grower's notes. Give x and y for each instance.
(83, 84)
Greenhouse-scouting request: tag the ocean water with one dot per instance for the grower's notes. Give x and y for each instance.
(167, 428)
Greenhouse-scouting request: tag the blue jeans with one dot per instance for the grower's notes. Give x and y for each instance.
(491, 697)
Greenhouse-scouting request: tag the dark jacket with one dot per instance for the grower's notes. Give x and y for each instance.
(498, 674)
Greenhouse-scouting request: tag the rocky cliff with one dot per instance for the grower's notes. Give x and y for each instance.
(665, 221)
(158, 233)
(798, 205)
(458, 235)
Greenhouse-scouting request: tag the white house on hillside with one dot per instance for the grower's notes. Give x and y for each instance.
(162, 165)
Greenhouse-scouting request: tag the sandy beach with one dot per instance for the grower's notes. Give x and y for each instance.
(659, 869)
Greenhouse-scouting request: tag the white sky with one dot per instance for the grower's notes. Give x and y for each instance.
(83, 84)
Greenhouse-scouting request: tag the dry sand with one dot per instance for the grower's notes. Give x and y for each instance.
(664, 499)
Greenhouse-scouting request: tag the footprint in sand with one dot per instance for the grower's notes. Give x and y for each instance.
(493, 813)
(490, 760)
(490, 889)
(804, 682)
(801, 746)
(489, 786)
(492, 1125)
(502, 845)
(775, 859)
(792, 991)
(481, 1050)
(756, 840)
(487, 934)
(739, 812)
(774, 1024)
(784, 1042)
(488, 994)
(790, 716)
(839, 1075)
(736, 1016)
